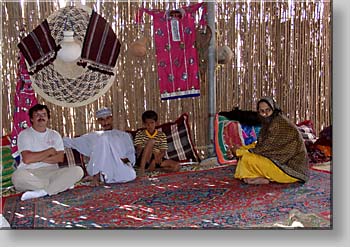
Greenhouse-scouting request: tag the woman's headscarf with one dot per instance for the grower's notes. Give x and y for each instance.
(271, 102)
(273, 105)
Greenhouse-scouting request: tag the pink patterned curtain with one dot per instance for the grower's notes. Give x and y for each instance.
(24, 99)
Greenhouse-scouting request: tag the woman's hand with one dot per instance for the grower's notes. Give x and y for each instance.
(231, 151)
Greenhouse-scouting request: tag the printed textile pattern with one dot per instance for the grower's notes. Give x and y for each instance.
(228, 133)
(24, 99)
(177, 57)
(209, 199)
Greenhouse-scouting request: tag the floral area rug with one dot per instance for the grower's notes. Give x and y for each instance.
(200, 199)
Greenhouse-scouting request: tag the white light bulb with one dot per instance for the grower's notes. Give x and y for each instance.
(70, 50)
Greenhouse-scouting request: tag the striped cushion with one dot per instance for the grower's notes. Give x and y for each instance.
(180, 144)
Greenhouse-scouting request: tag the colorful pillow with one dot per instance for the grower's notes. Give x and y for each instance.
(8, 164)
(307, 131)
(180, 144)
(231, 132)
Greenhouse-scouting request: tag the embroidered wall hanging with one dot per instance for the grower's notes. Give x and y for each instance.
(177, 58)
(24, 100)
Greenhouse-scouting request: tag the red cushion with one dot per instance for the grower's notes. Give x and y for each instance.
(5, 140)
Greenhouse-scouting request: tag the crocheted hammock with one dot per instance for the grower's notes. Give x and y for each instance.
(66, 83)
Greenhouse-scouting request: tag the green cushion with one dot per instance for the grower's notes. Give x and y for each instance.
(6, 184)
(8, 166)
(7, 171)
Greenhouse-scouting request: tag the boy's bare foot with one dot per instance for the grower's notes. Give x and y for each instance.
(256, 180)
(141, 173)
(152, 166)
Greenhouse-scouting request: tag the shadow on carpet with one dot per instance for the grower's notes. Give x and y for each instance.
(209, 199)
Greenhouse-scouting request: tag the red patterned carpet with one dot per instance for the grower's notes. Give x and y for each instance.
(209, 199)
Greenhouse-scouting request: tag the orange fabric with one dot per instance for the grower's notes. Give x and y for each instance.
(326, 150)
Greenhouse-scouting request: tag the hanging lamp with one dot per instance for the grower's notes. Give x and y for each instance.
(71, 49)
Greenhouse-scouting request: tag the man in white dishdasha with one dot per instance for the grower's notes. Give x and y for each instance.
(111, 152)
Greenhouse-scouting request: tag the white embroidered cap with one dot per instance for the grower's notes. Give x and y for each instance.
(103, 112)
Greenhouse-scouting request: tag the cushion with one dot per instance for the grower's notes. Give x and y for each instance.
(180, 144)
(307, 131)
(231, 132)
(321, 150)
(5, 141)
(73, 158)
(8, 164)
(243, 116)
(325, 137)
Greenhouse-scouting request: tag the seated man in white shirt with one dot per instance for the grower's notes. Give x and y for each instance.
(111, 151)
(41, 149)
